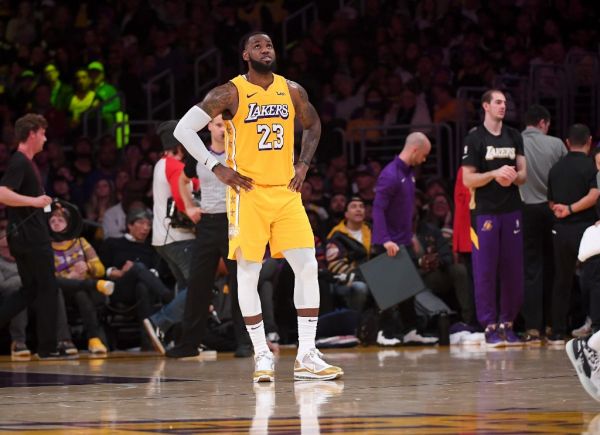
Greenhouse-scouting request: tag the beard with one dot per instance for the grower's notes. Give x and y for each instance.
(262, 68)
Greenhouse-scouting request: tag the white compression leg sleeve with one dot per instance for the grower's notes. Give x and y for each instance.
(247, 277)
(306, 270)
(306, 294)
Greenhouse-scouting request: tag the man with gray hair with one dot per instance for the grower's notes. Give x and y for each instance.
(541, 153)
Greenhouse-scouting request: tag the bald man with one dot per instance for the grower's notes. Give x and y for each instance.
(392, 226)
(395, 195)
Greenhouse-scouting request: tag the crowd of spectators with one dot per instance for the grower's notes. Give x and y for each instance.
(396, 62)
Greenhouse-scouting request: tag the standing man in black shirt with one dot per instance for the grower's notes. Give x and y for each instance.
(572, 195)
(493, 166)
(28, 236)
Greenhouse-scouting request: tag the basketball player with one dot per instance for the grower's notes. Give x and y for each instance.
(493, 168)
(263, 202)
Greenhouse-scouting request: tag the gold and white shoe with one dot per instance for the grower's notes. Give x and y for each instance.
(264, 367)
(311, 366)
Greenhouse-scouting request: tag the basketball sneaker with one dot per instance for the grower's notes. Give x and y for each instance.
(264, 367)
(412, 337)
(155, 334)
(19, 351)
(311, 366)
(510, 338)
(493, 338)
(68, 348)
(584, 330)
(105, 287)
(586, 362)
(532, 338)
(96, 347)
(382, 340)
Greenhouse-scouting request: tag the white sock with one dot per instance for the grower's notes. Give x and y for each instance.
(257, 335)
(307, 330)
(594, 341)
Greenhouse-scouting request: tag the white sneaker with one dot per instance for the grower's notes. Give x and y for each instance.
(311, 366)
(587, 365)
(413, 337)
(264, 367)
(382, 340)
(584, 330)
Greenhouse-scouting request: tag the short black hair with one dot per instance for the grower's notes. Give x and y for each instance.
(354, 199)
(247, 37)
(579, 134)
(535, 114)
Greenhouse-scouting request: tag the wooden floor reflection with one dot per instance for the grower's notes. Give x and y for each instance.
(413, 391)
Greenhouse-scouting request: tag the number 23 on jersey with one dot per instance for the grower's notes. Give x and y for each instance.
(271, 136)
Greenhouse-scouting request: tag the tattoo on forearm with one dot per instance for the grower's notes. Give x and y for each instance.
(311, 123)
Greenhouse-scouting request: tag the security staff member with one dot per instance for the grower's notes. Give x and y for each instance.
(572, 194)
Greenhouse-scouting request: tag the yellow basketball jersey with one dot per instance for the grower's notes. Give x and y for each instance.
(260, 137)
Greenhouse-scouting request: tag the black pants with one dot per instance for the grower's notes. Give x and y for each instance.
(590, 284)
(538, 256)
(400, 318)
(141, 287)
(211, 245)
(36, 269)
(566, 246)
(87, 298)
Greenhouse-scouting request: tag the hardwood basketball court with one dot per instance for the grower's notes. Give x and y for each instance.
(438, 390)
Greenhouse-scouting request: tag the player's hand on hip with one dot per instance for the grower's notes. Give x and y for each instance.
(194, 213)
(391, 248)
(300, 170)
(233, 178)
(41, 201)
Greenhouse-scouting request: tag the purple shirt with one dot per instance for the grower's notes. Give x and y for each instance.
(394, 204)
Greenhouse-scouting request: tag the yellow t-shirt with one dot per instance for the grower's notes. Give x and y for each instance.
(77, 106)
(260, 137)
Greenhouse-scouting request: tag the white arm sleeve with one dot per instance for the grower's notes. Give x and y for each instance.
(186, 132)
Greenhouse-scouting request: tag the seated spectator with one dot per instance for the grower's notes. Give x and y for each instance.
(366, 121)
(121, 181)
(309, 205)
(364, 184)
(107, 96)
(10, 282)
(42, 105)
(441, 274)
(348, 245)
(411, 110)
(315, 178)
(340, 183)
(336, 210)
(83, 98)
(131, 263)
(114, 223)
(102, 198)
(445, 106)
(439, 214)
(61, 93)
(78, 273)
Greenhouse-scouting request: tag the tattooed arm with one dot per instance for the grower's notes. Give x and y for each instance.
(311, 124)
(220, 100)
